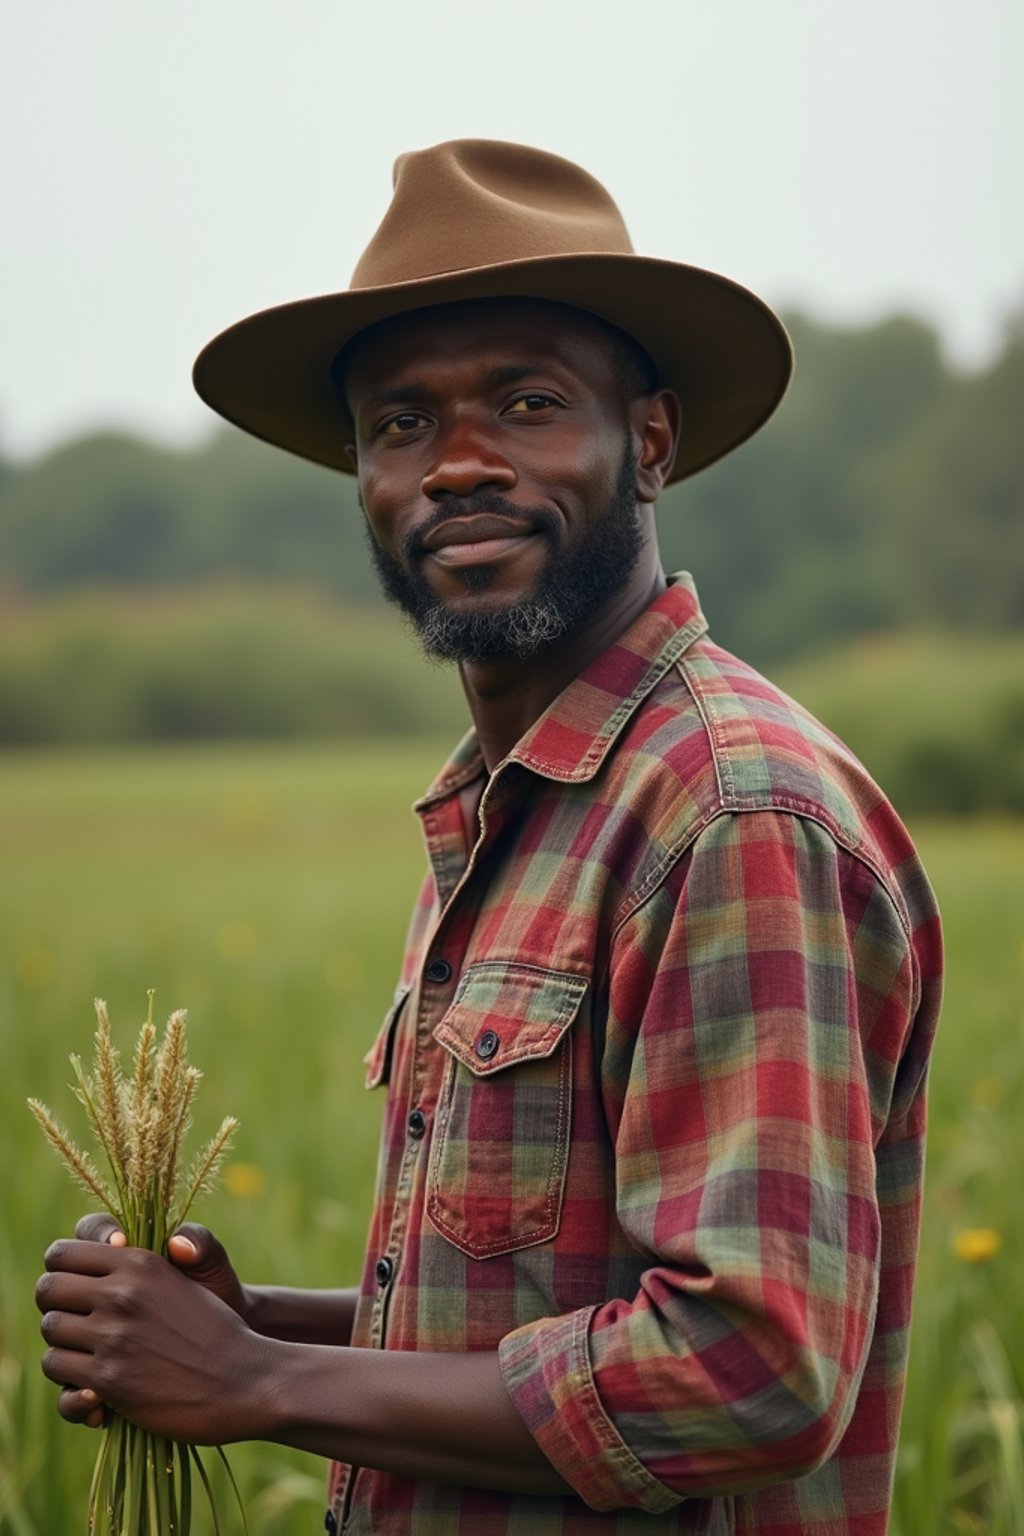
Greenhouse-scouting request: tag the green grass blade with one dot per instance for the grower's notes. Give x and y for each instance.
(205, 1480)
(185, 1491)
(234, 1488)
(159, 1512)
(167, 1473)
(98, 1494)
(135, 1491)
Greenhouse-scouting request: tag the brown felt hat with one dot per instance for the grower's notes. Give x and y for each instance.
(478, 219)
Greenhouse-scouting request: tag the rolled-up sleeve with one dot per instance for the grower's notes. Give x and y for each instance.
(760, 1000)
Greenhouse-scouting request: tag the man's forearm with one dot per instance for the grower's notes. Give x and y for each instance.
(441, 1417)
(301, 1317)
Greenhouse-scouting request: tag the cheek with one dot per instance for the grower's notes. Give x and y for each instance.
(379, 508)
(592, 468)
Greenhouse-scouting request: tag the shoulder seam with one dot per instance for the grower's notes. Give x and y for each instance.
(780, 805)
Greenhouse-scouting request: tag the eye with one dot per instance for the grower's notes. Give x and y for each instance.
(397, 426)
(529, 405)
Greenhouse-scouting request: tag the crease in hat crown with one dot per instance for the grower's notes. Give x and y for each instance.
(476, 203)
(479, 218)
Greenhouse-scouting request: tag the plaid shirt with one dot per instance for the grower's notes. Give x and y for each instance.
(655, 1111)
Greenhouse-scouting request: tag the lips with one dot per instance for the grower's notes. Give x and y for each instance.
(480, 529)
(477, 540)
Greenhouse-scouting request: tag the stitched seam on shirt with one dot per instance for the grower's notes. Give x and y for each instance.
(516, 966)
(769, 800)
(657, 876)
(706, 709)
(555, 1184)
(669, 655)
(571, 997)
(634, 1471)
(445, 787)
(783, 805)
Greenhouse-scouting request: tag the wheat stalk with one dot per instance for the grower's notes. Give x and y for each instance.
(142, 1483)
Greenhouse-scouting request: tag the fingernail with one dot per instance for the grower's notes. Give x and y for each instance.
(185, 1242)
(117, 1240)
(89, 1395)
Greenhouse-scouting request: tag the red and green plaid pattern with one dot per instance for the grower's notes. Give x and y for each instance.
(665, 1029)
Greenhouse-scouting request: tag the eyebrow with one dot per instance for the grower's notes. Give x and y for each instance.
(512, 373)
(398, 394)
(417, 389)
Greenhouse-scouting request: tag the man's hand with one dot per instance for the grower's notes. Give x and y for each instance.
(131, 1330)
(128, 1329)
(196, 1252)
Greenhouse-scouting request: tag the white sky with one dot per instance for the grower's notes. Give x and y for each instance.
(167, 166)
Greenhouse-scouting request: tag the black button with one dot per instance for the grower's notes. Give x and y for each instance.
(439, 971)
(330, 1523)
(417, 1124)
(385, 1269)
(487, 1045)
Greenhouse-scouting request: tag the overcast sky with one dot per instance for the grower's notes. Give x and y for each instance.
(170, 165)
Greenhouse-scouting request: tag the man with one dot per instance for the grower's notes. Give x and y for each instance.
(649, 1188)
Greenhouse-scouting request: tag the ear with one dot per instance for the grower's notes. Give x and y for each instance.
(352, 455)
(655, 420)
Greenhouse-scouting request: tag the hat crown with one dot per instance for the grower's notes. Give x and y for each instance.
(479, 202)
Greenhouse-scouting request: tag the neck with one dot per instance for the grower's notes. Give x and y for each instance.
(507, 697)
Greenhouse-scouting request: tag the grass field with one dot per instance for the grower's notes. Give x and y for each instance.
(266, 889)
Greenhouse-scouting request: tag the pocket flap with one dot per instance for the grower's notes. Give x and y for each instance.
(377, 1060)
(505, 1012)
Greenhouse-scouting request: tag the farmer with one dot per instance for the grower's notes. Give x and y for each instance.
(647, 1213)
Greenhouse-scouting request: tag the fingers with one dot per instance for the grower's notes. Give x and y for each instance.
(100, 1227)
(82, 1258)
(183, 1250)
(196, 1250)
(64, 1293)
(195, 1247)
(81, 1406)
(67, 1367)
(66, 1330)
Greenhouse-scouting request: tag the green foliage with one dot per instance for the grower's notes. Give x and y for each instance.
(887, 492)
(114, 511)
(939, 721)
(788, 536)
(267, 888)
(213, 663)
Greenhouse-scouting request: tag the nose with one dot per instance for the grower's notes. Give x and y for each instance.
(467, 460)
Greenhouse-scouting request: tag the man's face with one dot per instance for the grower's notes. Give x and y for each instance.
(496, 469)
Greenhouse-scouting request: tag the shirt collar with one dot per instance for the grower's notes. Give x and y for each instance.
(572, 738)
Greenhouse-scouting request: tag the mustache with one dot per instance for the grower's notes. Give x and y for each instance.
(536, 519)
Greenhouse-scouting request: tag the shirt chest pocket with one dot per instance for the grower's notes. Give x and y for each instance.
(501, 1140)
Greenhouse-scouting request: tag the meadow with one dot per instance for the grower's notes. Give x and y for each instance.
(266, 889)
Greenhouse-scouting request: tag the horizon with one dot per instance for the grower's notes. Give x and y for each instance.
(177, 171)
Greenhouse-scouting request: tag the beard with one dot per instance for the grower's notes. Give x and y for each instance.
(577, 580)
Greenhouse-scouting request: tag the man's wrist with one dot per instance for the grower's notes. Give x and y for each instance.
(300, 1316)
(257, 1309)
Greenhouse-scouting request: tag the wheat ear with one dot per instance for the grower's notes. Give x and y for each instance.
(204, 1169)
(79, 1163)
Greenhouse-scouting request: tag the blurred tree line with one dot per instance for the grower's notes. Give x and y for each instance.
(149, 592)
(888, 492)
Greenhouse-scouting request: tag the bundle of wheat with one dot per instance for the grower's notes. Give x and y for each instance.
(142, 1483)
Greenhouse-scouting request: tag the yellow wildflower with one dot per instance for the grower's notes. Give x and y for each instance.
(977, 1245)
(988, 1093)
(245, 1180)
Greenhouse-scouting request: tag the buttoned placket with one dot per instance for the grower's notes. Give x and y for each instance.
(455, 864)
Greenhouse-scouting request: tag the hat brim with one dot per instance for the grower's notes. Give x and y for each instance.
(722, 350)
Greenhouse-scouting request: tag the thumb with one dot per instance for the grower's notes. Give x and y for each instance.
(195, 1250)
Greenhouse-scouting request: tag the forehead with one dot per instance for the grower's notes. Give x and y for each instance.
(533, 331)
